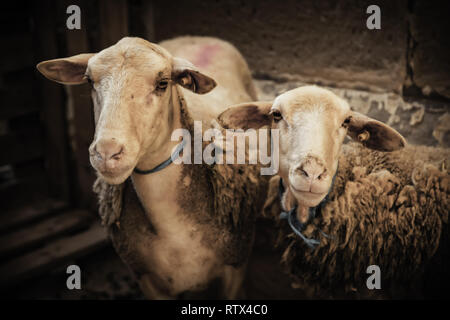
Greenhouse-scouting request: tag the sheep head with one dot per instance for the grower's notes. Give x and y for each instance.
(312, 124)
(133, 86)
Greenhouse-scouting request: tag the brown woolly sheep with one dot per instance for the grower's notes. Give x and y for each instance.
(385, 209)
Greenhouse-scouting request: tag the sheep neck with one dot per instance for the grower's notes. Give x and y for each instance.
(158, 191)
(298, 216)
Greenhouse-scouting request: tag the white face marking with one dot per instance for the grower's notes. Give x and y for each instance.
(307, 134)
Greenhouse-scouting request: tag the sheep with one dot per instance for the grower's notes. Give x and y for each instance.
(178, 227)
(385, 209)
(353, 207)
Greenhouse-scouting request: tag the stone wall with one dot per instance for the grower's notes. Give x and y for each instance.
(420, 121)
(399, 74)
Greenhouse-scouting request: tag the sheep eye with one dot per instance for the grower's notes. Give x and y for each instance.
(276, 115)
(162, 85)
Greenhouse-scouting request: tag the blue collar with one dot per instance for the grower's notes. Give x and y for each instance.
(164, 164)
(295, 224)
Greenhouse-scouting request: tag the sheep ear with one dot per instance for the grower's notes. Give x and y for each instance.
(374, 134)
(69, 70)
(186, 75)
(246, 115)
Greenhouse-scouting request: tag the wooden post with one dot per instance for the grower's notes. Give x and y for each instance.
(51, 102)
(142, 25)
(113, 18)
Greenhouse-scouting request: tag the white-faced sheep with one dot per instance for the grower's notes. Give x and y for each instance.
(181, 227)
(371, 207)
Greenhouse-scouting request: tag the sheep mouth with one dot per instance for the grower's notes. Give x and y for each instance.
(308, 198)
(306, 193)
(115, 176)
(109, 173)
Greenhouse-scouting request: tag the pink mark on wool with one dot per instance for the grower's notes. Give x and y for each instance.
(206, 54)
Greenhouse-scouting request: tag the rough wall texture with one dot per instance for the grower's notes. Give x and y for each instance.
(326, 42)
(399, 74)
(314, 41)
(420, 121)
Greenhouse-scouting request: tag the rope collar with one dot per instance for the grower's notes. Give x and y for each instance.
(164, 164)
(295, 224)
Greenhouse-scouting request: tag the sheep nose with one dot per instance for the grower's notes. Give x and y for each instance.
(312, 170)
(109, 149)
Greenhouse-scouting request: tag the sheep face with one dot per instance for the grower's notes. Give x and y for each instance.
(312, 124)
(133, 83)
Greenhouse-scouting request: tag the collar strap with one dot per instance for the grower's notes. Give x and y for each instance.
(295, 224)
(297, 227)
(164, 164)
(293, 221)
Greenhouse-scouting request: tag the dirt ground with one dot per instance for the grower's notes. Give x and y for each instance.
(103, 277)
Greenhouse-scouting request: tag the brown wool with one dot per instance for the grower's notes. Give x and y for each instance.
(388, 209)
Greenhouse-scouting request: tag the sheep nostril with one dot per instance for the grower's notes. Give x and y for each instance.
(322, 175)
(95, 153)
(117, 155)
(304, 173)
(108, 149)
